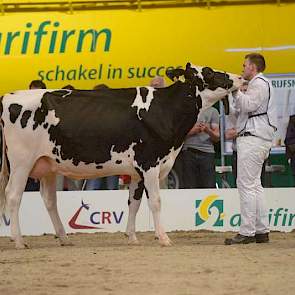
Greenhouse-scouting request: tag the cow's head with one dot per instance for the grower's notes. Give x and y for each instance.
(211, 85)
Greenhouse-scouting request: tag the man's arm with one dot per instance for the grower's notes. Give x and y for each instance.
(212, 131)
(231, 133)
(195, 130)
(253, 98)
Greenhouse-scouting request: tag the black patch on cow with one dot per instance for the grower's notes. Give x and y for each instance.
(45, 125)
(138, 192)
(226, 105)
(14, 112)
(143, 92)
(199, 102)
(91, 123)
(164, 161)
(57, 160)
(55, 151)
(118, 161)
(39, 117)
(42, 112)
(25, 117)
(129, 202)
(98, 166)
(147, 193)
(1, 106)
(139, 172)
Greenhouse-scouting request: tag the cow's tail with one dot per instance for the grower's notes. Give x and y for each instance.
(4, 176)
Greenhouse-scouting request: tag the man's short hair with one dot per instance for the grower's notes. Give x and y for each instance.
(258, 60)
(37, 84)
(100, 87)
(69, 87)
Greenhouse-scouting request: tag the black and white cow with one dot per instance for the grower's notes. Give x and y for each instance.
(88, 133)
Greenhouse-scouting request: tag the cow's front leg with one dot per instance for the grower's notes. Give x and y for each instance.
(14, 191)
(48, 193)
(152, 189)
(135, 196)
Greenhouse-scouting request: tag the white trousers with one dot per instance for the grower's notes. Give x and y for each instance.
(252, 152)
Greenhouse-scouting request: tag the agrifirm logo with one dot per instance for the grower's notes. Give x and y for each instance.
(94, 218)
(278, 218)
(208, 208)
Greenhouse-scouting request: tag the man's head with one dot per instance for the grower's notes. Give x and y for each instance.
(100, 87)
(37, 84)
(157, 82)
(69, 87)
(254, 63)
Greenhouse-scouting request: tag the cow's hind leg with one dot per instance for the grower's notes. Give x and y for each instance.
(152, 189)
(14, 191)
(48, 193)
(135, 196)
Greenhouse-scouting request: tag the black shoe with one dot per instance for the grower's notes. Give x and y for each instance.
(239, 239)
(262, 238)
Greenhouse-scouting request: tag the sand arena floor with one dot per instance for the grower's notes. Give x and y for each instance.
(197, 263)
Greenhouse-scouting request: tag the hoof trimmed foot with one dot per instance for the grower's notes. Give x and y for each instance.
(165, 242)
(64, 242)
(133, 242)
(132, 239)
(22, 246)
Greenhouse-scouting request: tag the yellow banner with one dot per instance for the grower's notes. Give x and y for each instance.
(125, 48)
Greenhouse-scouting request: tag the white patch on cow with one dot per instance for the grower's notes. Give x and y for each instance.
(168, 161)
(139, 103)
(67, 94)
(210, 97)
(51, 118)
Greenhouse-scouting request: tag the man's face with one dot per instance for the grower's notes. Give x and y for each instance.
(249, 70)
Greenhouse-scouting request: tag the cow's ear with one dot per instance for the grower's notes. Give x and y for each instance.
(160, 126)
(188, 66)
(175, 73)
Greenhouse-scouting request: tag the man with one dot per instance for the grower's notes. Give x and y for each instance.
(157, 82)
(37, 84)
(198, 155)
(232, 134)
(256, 125)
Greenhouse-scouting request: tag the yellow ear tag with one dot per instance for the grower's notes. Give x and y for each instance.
(182, 79)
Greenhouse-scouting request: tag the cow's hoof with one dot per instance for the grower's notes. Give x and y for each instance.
(65, 242)
(165, 242)
(133, 242)
(22, 246)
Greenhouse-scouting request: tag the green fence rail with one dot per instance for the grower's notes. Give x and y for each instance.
(7, 6)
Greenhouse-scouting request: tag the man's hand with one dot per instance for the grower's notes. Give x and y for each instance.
(244, 87)
(195, 130)
(231, 133)
(204, 127)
